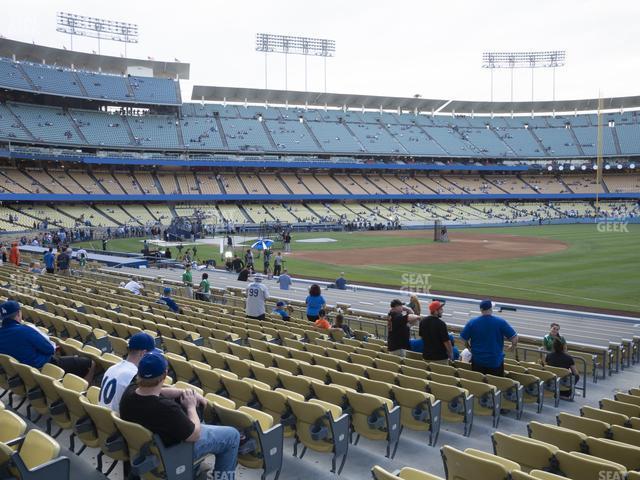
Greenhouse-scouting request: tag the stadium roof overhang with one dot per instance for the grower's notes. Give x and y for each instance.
(29, 52)
(258, 96)
(317, 99)
(583, 105)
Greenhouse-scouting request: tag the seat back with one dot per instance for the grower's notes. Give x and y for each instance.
(240, 367)
(345, 379)
(614, 451)
(252, 423)
(210, 380)
(373, 387)
(26, 375)
(626, 398)
(612, 418)
(312, 419)
(628, 409)
(528, 454)
(276, 404)
(588, 426)
(270, 376)
(579, 466)
(298, 384)
(459, 465)
(11, 426)
(109, 437)
(630, 436)
(563, 438)
(38, 448)
(369, 415)
(239, 391)
(535, 475)
(141, 444)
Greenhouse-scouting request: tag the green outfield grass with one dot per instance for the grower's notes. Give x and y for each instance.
(597, 270)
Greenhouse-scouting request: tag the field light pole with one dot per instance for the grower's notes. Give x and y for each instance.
(99, 28)
(532, 60)
(286, 44)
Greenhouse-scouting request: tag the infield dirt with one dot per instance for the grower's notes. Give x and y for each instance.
(461, 248)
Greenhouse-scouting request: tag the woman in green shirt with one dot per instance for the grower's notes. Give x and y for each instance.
(204, 289)
(187, 281)
(553, 334)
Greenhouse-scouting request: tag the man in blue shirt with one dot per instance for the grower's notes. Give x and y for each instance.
(485, 335)
(284, 280)
(30, 347)
(168, 301)
(341, 282)
(281, 309)
(49, 261)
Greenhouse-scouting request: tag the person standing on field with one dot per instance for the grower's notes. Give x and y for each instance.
(277, 264)
(287, 242)
(484, 336)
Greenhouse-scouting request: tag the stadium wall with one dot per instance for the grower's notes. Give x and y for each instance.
(61, 198)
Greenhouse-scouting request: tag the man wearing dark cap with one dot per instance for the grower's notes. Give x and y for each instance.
(118, 377)
(399, 321)
(435, 335)
(31, 347)
(172, 414)
(484, 336)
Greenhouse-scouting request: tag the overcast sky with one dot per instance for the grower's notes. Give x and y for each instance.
(396, 48)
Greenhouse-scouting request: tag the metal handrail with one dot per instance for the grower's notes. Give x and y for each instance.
(584, 377)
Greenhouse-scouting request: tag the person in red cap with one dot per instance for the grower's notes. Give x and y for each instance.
(435, 335)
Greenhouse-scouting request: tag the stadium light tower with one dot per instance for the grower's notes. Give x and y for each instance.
(286, 44)
(532, 60)
(96, 28)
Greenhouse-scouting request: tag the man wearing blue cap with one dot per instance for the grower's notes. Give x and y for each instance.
(281, 310)
(118, 377)
(30, 347)
(172, 414)
(485, 335)
(168, 301)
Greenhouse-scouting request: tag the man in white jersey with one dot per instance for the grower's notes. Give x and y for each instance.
(257, 295)
(134, 287)
(118, 377)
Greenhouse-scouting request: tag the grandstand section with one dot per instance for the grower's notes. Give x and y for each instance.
(44, 79)
(220, 129)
